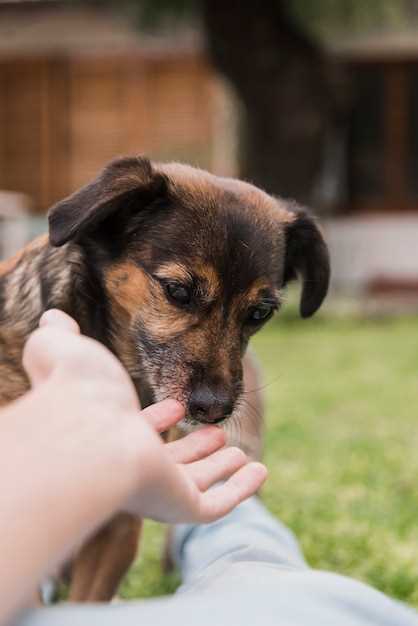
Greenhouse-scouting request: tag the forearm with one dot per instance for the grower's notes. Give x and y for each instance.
(54, 493)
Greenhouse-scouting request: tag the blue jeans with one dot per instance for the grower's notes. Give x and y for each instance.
(245, 569)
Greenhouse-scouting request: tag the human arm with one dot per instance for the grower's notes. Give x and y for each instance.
(76, 449)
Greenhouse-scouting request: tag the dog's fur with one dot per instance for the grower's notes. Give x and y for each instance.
(121, 251)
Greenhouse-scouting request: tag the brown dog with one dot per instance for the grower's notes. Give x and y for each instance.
(173, 269)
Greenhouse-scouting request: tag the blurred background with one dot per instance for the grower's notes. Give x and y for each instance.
(314, 101)
(317, 101)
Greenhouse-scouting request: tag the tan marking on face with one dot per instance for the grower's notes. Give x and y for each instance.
(198, 341)
(225, 354)
(128, 285)
(143, 299)
(206, 275)
(251, 297)
(174, 271)
(214, 345)
(164, 322)
(196, 344)
(209, 277)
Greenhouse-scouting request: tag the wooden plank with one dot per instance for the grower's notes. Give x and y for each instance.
(139, 107)
(57, 141)
(61, 119)
(97, 117)
(180, 118)
(45, 157)
(396, 134)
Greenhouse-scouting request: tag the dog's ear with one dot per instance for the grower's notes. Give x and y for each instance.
(306, 257)
(122, 181)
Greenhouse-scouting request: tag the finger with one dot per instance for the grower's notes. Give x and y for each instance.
(215, 467)
(196, 445)
(163, 415)
(59, 319)
(219, 501)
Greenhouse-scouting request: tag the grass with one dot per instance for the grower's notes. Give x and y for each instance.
(341, 447)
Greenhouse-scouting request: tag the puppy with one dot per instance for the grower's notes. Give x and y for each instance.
(173, 269)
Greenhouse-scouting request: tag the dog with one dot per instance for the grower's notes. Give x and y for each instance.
(173, 269)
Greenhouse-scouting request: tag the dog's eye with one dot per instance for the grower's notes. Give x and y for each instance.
(178, 292)
(260, 313)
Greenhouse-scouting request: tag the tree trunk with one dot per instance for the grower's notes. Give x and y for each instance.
(279, 75)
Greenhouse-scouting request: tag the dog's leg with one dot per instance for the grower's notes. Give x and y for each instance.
(99, 567)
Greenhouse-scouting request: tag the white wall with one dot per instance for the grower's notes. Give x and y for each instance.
(363, 248)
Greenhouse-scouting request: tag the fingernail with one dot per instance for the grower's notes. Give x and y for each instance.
(58, 319)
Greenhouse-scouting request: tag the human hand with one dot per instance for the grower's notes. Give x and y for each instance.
(93, 417)
(179, 486)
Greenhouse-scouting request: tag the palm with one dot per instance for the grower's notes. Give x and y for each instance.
(204, 461)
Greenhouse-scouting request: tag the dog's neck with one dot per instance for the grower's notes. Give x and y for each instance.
(41, 277)
(36, 279)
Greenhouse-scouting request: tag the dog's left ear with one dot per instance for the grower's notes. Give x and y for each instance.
(121, 183)
(306, 257)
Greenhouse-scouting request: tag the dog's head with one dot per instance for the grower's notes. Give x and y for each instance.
(191, 266)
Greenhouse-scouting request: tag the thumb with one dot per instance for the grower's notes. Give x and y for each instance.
(58, 319)
(55, 340)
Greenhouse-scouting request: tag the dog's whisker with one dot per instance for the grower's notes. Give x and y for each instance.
(262, 387)
(251, 412)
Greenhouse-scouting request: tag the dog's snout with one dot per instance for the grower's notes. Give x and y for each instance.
(210, 405)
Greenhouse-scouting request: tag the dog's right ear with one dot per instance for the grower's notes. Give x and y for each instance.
(120, 182)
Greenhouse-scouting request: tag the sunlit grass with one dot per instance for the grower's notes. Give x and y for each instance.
(341, 447)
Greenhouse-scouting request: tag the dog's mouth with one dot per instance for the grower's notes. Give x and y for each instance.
(201, 421)
(218, 420)
(192, 422)
(188, 424)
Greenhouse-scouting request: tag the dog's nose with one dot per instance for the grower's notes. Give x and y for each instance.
(210, 405)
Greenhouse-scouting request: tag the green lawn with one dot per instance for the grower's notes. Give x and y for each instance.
(341, 447)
